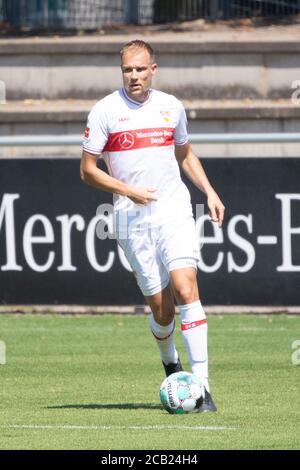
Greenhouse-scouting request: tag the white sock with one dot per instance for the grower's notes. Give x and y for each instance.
(194, 330)
(164, 336)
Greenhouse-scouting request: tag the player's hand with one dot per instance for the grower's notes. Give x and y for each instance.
(142, 195)
(216, 208)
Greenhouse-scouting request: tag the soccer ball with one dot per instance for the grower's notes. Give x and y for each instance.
(181, 393)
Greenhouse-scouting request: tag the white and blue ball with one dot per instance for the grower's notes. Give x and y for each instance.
(181, 393)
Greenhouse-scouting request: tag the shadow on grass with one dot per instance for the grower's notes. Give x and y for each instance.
(109, 406)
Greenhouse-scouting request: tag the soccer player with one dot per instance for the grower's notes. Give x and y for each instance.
(142, 135)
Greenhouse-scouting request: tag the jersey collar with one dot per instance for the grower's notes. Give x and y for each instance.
(138, 103)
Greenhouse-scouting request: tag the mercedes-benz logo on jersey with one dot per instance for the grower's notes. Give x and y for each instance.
(126, 140)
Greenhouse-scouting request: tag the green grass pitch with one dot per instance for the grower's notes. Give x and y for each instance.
(92, 382)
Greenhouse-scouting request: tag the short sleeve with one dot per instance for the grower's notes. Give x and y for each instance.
(96, 132)
(180, 133)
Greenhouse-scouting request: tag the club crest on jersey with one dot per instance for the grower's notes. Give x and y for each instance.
(126, 140)
(166, 115)
(87, 133)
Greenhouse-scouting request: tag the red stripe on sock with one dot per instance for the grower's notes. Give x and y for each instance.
(166, 337)
(193, 324)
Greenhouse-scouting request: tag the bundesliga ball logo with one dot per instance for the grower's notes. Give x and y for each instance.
(126, 140)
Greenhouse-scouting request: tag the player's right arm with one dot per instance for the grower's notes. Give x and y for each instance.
(94, 176)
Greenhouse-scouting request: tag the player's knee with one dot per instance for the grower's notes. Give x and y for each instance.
(185, 293)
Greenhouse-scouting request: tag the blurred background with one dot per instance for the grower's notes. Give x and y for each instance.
(92, 14)
(235, 66)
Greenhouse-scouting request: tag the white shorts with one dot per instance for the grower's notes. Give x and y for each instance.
(153, 254)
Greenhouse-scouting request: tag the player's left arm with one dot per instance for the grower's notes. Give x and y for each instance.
(194, 170)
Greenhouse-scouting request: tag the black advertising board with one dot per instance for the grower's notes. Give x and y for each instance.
(49, 253)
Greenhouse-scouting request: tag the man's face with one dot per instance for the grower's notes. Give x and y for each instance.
(137, 70)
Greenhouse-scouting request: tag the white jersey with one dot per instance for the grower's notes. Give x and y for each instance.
(137, 142)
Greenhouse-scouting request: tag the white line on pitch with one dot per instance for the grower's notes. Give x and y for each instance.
(267, 240)
(112, 427)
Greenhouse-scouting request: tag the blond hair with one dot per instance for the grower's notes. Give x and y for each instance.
(138, 44)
